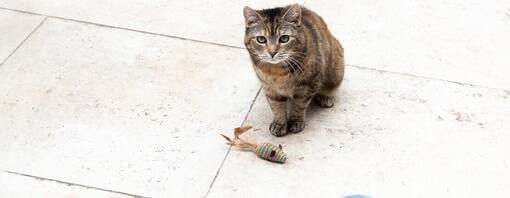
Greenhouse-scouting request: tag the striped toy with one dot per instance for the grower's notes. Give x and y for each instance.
(271, 152)
(264, 150)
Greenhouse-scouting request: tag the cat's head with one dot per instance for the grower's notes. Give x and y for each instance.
(274, 36)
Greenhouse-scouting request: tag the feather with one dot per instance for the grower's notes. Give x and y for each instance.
(241, 143)
(227, 138)
(240, 130)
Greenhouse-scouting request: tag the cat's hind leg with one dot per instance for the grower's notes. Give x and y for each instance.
(332, 80)
(326, 96)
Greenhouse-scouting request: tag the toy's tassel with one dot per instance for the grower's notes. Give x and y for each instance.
(241, 144)
(240, 130)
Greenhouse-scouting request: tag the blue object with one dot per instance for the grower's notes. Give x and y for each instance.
(356, 196)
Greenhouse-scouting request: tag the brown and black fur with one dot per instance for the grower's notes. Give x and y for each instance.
(311, 63)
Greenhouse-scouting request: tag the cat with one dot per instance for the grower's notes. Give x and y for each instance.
(296, 59)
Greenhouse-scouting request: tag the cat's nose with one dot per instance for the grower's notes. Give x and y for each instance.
(272, 54)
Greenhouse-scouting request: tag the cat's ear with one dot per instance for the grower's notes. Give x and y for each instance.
(293, 15)
(251, 16)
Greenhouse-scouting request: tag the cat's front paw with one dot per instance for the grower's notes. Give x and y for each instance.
(278, 129)
(296, 126)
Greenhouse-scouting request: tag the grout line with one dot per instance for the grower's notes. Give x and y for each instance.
(72, 184)
(236, 47)
(123, 28)
(251, 106)
(426, 77)
(22, 42)
(230, 147)
(199, 41)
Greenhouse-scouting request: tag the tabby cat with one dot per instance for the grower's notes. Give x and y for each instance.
(296, 60)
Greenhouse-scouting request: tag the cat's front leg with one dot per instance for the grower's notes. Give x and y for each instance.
(298, 106)
(278, 105)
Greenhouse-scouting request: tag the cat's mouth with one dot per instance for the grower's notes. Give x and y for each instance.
(274, 61)
(277, 61)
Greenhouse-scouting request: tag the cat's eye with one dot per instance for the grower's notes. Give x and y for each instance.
(284, 38)
(261, 39)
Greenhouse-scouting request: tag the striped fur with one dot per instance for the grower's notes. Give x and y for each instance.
(309, 66)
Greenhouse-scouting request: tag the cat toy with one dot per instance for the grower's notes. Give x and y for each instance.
(264, 150)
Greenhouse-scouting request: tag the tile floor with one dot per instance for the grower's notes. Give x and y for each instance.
(127, 98)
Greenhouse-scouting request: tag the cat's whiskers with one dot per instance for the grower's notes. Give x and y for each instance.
(296, 77)
(299, 65)
(288, 67)
(299, 53)
(302, 75)
(285, 67)
(293, 65)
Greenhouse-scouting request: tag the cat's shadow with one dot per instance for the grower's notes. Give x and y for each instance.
(314, 109)
(314, 114)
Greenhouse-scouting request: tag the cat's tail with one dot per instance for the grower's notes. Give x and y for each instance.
(240, 143)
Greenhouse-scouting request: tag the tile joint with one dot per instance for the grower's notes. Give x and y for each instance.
(122, 28)
(236, 47)
(72, 184)
(426, 77)
(230, 147)
(22, 42)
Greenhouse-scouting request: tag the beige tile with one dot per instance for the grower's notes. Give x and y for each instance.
(14, 28)
(121, 110)
(20, 186)
(140, 113)
(463, 41)
(388, 135)
(459, 40)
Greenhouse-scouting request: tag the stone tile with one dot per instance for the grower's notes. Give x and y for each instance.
(463, 41)
(388, 135)
(19, 186)
(121, 110)
(14, 28)
(459, 40)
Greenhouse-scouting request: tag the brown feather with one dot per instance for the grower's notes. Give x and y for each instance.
(240, 130)
(241, 144)
(227, 138)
